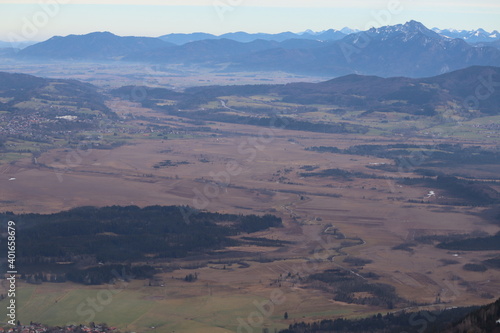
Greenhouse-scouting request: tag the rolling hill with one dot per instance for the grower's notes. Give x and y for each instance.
(399, 94)
(357, 92)
(26, 93)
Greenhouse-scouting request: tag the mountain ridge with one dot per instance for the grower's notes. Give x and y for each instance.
(400, 50)
(472, 36)
(245, 37)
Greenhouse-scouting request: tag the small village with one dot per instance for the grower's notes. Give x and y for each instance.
(40, 328)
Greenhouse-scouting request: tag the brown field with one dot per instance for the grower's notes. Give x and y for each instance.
(266, 180)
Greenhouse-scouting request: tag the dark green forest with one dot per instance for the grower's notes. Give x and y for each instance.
(345, 285)
(128, 234)
(442, 154)
(491, 243)
(399, 322)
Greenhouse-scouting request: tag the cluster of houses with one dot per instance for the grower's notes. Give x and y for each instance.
(20, 124)
(39, 328)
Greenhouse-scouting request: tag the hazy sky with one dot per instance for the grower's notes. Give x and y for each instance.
(42, 19)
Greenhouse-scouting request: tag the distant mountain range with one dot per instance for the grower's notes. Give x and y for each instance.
(243, 37)
(401, 50)
(470, 36)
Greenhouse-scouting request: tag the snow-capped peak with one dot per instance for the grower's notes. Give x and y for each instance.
(471, 36)
(409, 29)
(348, 31)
